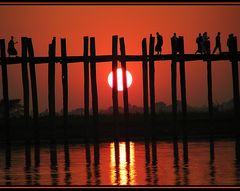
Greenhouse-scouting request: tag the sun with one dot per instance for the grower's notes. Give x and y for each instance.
(119, 79)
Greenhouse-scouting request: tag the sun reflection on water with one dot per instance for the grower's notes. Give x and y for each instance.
(122, 163)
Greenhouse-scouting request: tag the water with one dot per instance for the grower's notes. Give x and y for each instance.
(121, 163)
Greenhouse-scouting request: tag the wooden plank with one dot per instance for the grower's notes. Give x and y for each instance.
(33, 82)
(151, 77)
(114, 72)
(5, 87)
(130, 58)
(86, 77)
(51, 82)
(25, 81)
(182, 78)
(94, 81)
(145, 78)
(124, 78)
(64, 81)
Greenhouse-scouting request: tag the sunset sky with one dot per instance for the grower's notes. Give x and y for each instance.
(133, 22)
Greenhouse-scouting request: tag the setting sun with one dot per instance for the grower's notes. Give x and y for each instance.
(119, 79)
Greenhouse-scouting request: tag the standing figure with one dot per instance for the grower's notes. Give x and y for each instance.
(218, 44)
(199, 42)
(174, 41)
(11, 48)
(158, 47)
(230, 42)
(206, 43)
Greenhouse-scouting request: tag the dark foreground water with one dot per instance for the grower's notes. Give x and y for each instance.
(121, 163)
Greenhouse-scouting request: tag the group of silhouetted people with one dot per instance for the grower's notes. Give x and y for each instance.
(175, 44)
(203, 44)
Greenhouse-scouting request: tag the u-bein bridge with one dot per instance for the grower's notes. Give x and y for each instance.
(90, 60)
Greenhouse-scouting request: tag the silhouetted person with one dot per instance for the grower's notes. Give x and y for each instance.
(54, 40)
(11, 48)
(218, 44)
(158, 47)
(230, 42)
(206, 43)
(174, 41)
(199, 42)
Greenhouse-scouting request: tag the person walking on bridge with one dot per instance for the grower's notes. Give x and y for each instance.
(174, 43)
(158, 47)
(199, 42)
(11, 48)
(218, 44)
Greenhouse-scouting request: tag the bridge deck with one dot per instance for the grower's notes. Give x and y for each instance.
(128, 58)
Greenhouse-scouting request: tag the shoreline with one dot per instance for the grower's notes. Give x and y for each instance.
(196, 126)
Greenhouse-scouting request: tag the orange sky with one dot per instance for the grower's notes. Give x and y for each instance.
(134, 23)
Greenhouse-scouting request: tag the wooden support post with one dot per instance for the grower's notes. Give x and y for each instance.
(86, 78)
(182, 78)
(94, 80)
(145, 78)
(53, 154)
(114, 72)
(25, 83)
(87, 153)
(116, 151)
(154, 152)
(27, 155)
(124, 78)
(232, 45)
(96, 153)
(174, 81)
(184, 99)
(235, 78)
(51, 82)
(34, 101)
(209, 80)
(5, 87)
(147, 151)
(128, 154)
(174, 97)
(34, 85)
(8, 155)
(151, 77)
(64, 82)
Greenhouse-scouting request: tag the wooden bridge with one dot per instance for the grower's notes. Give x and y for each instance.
(89, 60)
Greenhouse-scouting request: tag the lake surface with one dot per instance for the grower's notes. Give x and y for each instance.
(121, 163)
